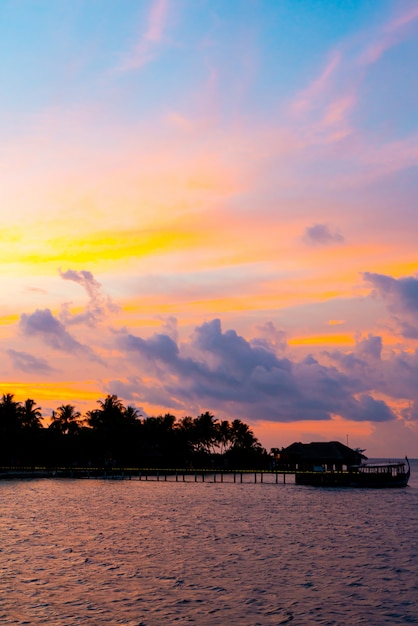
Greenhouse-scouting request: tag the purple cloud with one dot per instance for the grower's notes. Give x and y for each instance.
(393, 376)
(29, 363)
(270, 338)
(99, 304)
(43, 324)
(370, 346)
(320, 234)
(158, 348)
(400, 293)
(135, 391)
(227, 372)
(401, 297)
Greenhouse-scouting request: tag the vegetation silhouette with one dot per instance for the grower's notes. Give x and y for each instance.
(117, 435)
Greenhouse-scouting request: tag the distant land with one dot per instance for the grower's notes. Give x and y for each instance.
(117, 435)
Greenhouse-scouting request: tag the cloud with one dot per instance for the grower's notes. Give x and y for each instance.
(401, 297)
(99, 304)
(234, 354)
(322, 113)
(308, 98)
(371, 346)
(84, 278)
(392, 376)
(29, 363)
(372, 410)
(146, 48)
(37, 290)
(388, 36)
(320, 234)
(400, 293)
(170, 327)
(158, 348)
(225, 371)
(43, 324)
(135, 391)
(270, 338)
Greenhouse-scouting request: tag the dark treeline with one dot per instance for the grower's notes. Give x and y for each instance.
(117, 435)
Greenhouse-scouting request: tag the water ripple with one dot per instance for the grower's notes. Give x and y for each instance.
(142, 554)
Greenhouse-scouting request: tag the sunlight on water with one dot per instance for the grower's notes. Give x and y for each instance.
(148, 553)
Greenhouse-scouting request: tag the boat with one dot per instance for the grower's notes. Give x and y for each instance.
(374, 475)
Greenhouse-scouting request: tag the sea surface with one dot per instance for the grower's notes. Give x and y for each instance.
(101, 552)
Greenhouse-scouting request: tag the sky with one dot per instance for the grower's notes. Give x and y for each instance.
(212, 206)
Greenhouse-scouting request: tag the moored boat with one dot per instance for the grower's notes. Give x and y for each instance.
(374, 475)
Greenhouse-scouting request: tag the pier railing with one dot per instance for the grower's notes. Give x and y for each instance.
(214, 475)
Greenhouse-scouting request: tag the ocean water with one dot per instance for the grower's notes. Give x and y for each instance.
(102, 552)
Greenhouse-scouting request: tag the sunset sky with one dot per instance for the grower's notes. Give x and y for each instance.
(212, 205)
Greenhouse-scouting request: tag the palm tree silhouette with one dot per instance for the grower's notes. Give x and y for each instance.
(9, 414)
(65, 420)
(30, 415)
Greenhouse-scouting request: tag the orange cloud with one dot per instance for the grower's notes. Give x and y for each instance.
(322, 340)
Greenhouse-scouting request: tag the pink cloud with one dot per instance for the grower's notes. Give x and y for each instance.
(320, 113)
(337, 110)
(309, 97)
(404, 19)
(145, 49)
(157, 21)
(391, 34)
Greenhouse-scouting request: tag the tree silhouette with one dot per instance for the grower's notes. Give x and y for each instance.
(65, 420)
(242, 436)
(9, 414)
(224, 435)
(206, 432)
(116, 430)
(30, 415)
(9, 428)
(113, 433)
(109, 416)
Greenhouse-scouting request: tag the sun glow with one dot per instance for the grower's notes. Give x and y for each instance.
(81, 392)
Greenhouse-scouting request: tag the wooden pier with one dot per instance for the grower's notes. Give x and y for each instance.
(151, 474)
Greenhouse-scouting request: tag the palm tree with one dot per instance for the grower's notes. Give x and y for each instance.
(9, 414)
(243, 437)
(9, 429)
(186, 434)
(65, 420)
(115, 430)
(30, 415)
(206, 431)
(110, 414)
(224, 435)
(131, 416)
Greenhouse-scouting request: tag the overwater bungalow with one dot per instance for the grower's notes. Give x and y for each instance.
(330, 456)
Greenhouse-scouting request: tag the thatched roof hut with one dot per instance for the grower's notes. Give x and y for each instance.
(330, 455)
